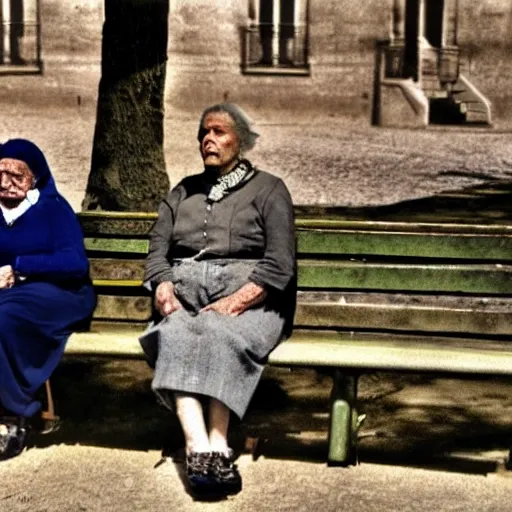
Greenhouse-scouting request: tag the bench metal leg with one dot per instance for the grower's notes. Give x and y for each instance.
(344, 419)
(49, 419)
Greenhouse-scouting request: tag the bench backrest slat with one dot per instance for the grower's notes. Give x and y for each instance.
(353, 275)
(343, 257)
(420, 245)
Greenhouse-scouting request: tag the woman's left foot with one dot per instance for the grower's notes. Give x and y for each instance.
(225, 472)
(13, 437)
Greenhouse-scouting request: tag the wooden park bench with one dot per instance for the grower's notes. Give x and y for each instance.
(373, 296)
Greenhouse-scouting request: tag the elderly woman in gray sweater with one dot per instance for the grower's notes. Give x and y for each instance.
(222, 267)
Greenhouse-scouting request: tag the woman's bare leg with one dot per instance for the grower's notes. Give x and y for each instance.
(218, 422)
(190, 413)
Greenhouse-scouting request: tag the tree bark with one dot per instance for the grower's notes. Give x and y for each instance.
(128, 166)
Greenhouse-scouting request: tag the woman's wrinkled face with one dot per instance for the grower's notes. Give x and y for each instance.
(16, 179)
(219, 142)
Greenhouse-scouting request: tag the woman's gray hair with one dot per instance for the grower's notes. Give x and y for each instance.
(246, 136)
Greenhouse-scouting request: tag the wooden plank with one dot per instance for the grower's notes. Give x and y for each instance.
(106, 215)
(343, 350)
(346, 243)
(399, 244)
(457, 278)
(325, 314)
(360, 275)
(411, 227)
(138, 224)
(117, 245)
(122, 283)
(133, 224)
(112, 307)
(403, 318)
(105, 344)
(116, 269)
(394, 353)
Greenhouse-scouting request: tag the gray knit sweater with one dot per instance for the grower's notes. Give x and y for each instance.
(255, 221)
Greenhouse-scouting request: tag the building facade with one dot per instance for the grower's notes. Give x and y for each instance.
(389, 62)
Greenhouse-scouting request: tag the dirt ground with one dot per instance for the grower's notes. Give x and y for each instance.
(332, 161)
(427, 444)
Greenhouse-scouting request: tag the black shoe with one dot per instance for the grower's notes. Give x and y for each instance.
(13, 437)
(199, 474)
(226, 473)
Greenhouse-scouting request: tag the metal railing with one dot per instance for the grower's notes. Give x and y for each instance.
(20, 45)
(275, 46)
(439, 62)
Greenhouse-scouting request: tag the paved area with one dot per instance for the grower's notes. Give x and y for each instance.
(427, 444)
(80, 478)
(339, 160)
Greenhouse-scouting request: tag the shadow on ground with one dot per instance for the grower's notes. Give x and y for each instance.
(110, 404)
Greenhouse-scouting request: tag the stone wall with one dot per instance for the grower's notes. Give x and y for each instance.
(485, 39)
(205, 59)
(71, 29)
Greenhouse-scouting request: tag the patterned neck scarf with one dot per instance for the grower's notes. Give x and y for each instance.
(226, 183)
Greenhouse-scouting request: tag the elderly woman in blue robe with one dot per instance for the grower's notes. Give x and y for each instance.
(222, 267)
(45, 290)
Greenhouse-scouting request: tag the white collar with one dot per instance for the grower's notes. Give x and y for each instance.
(11, 214)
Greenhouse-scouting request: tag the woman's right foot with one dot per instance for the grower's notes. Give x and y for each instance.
(199, 472)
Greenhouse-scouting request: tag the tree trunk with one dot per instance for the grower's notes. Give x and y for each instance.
(128, 166)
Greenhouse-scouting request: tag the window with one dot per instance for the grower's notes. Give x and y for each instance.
(276, 37)
(20, 37)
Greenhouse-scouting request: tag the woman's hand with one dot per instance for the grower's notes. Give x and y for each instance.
(166, 301)
(235, 304)
(6, 277)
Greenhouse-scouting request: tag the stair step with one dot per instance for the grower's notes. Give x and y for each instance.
(476, 117)
(436, 94)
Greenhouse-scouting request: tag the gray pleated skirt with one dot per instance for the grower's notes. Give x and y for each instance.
(208, 353)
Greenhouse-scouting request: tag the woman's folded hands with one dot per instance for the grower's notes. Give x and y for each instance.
(244, 298)
(234, 304)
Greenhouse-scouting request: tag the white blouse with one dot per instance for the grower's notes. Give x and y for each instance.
(11, 214)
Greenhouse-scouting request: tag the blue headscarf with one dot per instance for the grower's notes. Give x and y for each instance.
(28, 152)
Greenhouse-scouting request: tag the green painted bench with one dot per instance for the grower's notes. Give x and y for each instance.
(390, 295)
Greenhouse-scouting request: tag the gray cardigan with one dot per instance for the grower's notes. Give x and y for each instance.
(255, 221)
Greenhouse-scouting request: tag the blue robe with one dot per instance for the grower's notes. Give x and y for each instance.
(37, 315)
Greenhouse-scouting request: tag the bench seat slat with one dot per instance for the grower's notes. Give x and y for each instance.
(344, 350)
(392, 356)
